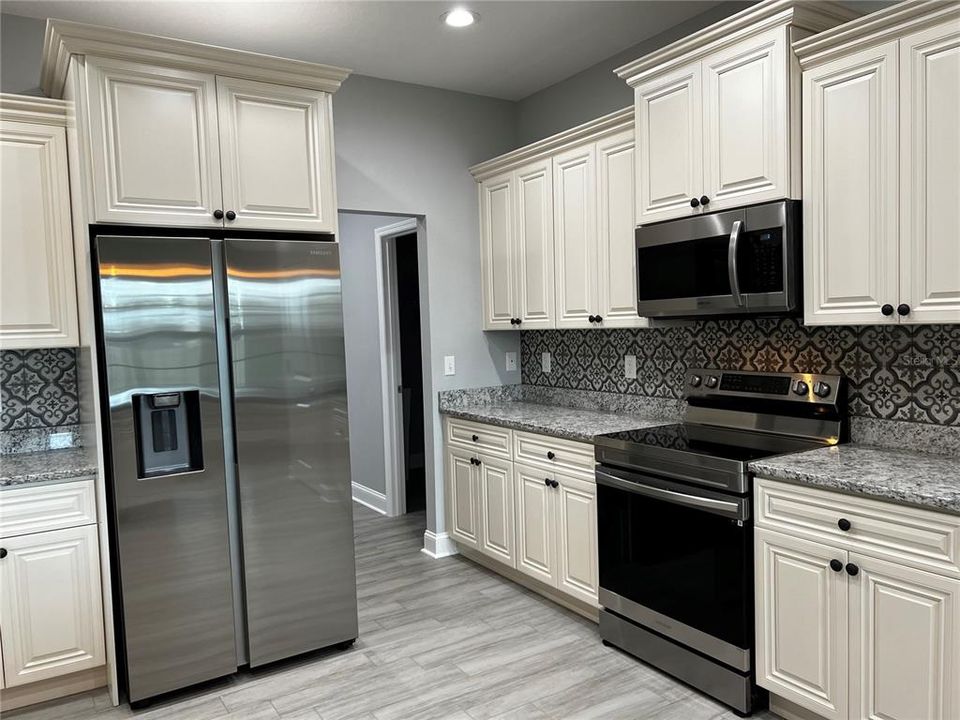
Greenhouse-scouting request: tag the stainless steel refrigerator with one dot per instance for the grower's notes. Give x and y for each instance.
(222, 363)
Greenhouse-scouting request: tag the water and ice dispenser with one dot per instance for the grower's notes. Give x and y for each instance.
(167, 426)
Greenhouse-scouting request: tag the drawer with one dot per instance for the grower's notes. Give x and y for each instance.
(921, 538)
(46, 507)
(490, 439)
(554, 453)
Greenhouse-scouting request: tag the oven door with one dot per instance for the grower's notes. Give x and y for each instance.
(678, 560)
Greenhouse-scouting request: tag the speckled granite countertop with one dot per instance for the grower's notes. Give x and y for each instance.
(49, 466)
(921, 479)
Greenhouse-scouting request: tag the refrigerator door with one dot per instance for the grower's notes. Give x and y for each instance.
(166, 447)
(290, 413)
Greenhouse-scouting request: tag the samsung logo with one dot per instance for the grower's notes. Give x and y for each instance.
(319, 252)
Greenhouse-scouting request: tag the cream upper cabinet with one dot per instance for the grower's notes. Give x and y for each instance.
(495, 484)
(575, 227)
(576, 522)
(276, 154)
(463, 515)
(536, 529)
(534, 263)
(497, 258)
(154, 144)
(38, 299)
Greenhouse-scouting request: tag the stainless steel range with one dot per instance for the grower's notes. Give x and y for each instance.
(675, 522)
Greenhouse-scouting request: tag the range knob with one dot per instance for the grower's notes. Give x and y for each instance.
(695, 380)
(822, 389)
(801, 388)
(712, 381)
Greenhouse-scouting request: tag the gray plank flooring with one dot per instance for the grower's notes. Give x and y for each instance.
(442, 639)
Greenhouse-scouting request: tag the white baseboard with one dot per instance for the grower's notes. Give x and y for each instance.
(371, 498)
(438, 546)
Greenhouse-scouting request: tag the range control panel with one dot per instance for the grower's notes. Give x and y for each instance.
(798, 387)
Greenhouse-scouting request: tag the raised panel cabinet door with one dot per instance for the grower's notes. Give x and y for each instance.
(669, 130)
(575, 236)
(463, 512)
(534, 246)
(51, 616)
(850, 195)
(746, 128)
(276, 153)
(495, 479)
(498, 261)
(904, 643)
(801, 622)
(930, 174)
(536, 523)
(155, 152)
(38, 296)
(577, 538)
(616, 251)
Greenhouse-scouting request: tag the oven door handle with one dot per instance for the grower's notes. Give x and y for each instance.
(732, 263)
(720, 507)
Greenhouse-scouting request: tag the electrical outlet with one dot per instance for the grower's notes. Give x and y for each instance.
(630, 367)
(511, 362)
(449, 365)
(58, 441)
(545, 362)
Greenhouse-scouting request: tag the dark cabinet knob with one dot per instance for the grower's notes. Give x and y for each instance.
(554, 483)
(3, 553)
(546, 481)
(218, 214)
(836, 565)
(887, 309)
(592, 318)
(694, 202)
(599, 318)
(478, 462)
(704, 200)
(852, 569)
(231, 215)
(474, 437)
(550, 455)
(519, 321)
(903, 309)
(474, 461)
(843, 524)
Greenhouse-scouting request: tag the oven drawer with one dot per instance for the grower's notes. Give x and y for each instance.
(922, 538)
(488, 439)
(554, 453)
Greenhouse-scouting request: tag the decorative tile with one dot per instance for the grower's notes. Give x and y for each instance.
(38, 389)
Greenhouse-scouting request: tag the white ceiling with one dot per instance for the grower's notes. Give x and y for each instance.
(515, 50)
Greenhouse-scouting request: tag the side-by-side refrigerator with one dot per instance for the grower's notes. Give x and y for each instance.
(222, 363)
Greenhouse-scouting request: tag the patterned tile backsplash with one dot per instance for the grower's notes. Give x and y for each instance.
(907, 373)
(38, 389)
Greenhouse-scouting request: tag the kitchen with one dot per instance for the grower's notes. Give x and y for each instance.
(690, 367)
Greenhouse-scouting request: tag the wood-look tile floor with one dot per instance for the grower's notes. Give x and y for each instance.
(438, 639)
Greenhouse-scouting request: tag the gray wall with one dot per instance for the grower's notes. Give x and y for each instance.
(21, 42)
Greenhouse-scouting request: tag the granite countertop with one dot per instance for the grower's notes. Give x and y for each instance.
(49, 466)
(915, 478)
(557, 421)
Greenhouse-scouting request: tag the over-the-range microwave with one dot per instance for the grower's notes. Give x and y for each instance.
(745, 261)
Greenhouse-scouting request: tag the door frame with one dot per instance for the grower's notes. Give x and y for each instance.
(389, 329)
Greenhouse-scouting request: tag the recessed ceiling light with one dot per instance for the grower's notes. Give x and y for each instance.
(459, 17)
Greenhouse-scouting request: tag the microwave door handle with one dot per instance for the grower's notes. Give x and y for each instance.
(720, 507)
(732, 263)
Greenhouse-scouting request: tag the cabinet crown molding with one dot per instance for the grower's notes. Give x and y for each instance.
(33, 109)
(64, 39)
(594, 130)
(804, 14)
(873, 29)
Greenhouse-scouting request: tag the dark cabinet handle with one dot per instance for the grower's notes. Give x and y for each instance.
(550, 455)
(694, 202)
(903, 309)
(704, 200)
(3, 553)
(218, 214)
(852, 569)
(554, 483)
(887, 309)
(474, 437)
(231, 215)
(843, 524)
(836, 565)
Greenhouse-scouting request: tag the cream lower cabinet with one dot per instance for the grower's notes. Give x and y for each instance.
(853, 624)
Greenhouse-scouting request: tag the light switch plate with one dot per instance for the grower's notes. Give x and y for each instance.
(58, 441)
(545, 362)
(449, 365)
(511, 362)
(630, 367)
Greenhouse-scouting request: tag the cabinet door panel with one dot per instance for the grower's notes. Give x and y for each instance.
(535, 287)
(746, 133)
(801, 607)
(904, 643)
(930, 174)
(536, 524)
(850, 188)
(495, 478)
(575, 232)
(51, 617)
(276, 151)
(577, 538)
(497, 259)
(463, 515)
(38, 298)
(669, 120)
(156, 158)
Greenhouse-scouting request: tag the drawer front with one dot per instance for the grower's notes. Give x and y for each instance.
(920, 538)
(46, 507)
(554, 453)
(490, 439)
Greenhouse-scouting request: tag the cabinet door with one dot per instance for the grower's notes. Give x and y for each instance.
(155, 153)
(498, 262)
(51, 617)
(38, 297)
(536, 524)
(616, 253)
(577, 538)
(904, 643)
(495, 478)
(669, 123)
(801, 608)
(746, 129)
(276, 151)
(930, 174)
(463, 513)
(850, 188)
(534, 247)
(575, 235)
